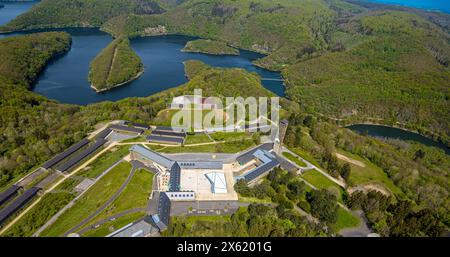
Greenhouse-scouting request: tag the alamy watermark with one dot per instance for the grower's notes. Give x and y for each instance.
(209, 114)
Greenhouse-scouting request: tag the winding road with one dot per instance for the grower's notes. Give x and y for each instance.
(107, 203)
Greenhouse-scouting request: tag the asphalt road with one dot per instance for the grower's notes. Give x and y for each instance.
(110, 200)
(111, 218)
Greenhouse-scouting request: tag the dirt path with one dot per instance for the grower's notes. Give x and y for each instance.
(112, 64)
(349, 160)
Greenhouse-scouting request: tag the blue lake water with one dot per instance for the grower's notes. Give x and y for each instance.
(11, 10)
(65, 79)
(395, 133)
(432, 5)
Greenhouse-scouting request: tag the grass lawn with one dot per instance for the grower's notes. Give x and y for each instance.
(198, 226)
(135, 195)
(318, 180)
(230, 136)
(254, 200)
(227, 147)
(346, 219)
(164, 117)
(305, 155)
(97, 195)
(294, 159)
(104, 161)
(370, 174)
(197, 139)
(49, 205)
(111, 226)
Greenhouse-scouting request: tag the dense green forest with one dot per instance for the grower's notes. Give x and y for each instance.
(24, 57)
(342, 63)
(210, 47)
(257, 220)
(115, 65)
(33, 128)
(342, 60)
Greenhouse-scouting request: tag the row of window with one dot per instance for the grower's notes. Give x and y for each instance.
(182, 195)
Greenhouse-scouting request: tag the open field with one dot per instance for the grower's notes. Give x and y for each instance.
(39, 215)
(111, 226)
(197, 138)
(93, 199)
(135, 195)
(320, 181)
(227, 147)
(345, 220)
(294, 159)
(369, 174)
(104, 161)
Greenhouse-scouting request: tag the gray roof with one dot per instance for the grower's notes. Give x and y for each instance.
(168, 133)
(175, 177)
(72, 162)
(248, 156)
(152, 156)
(161, 139)
(260, 170)
(127, 128)
(139, 228)
(162, 218)
(18, 203)
(104, 133)
(65, 154)
(8, 193)
(170, 128)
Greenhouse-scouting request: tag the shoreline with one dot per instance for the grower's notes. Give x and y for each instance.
(118, 85)
(400, 128)
(201, 52)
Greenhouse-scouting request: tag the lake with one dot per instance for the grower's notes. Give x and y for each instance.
(65, 79)
(396, 133)
(12, 10)
(431, 5)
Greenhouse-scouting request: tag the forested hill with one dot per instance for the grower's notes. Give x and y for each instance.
(33, 128)
(341, 60)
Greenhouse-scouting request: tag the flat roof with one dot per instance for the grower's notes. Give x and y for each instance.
(59, 157)
(166, 128)
(104, 133)
(176, 140)
(248, 156)
(152, 156)
(127, 128)
(18, 203)
(8, 193)
(139, 228)
(260, 170)
(168, 133)
(72, 162)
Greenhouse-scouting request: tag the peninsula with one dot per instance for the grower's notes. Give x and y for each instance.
(115, 66)
(209, 47)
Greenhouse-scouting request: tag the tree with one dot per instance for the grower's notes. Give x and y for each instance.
(323, 205)
(419, 154)
(242, 188)
(345, 171)
(296, 190)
